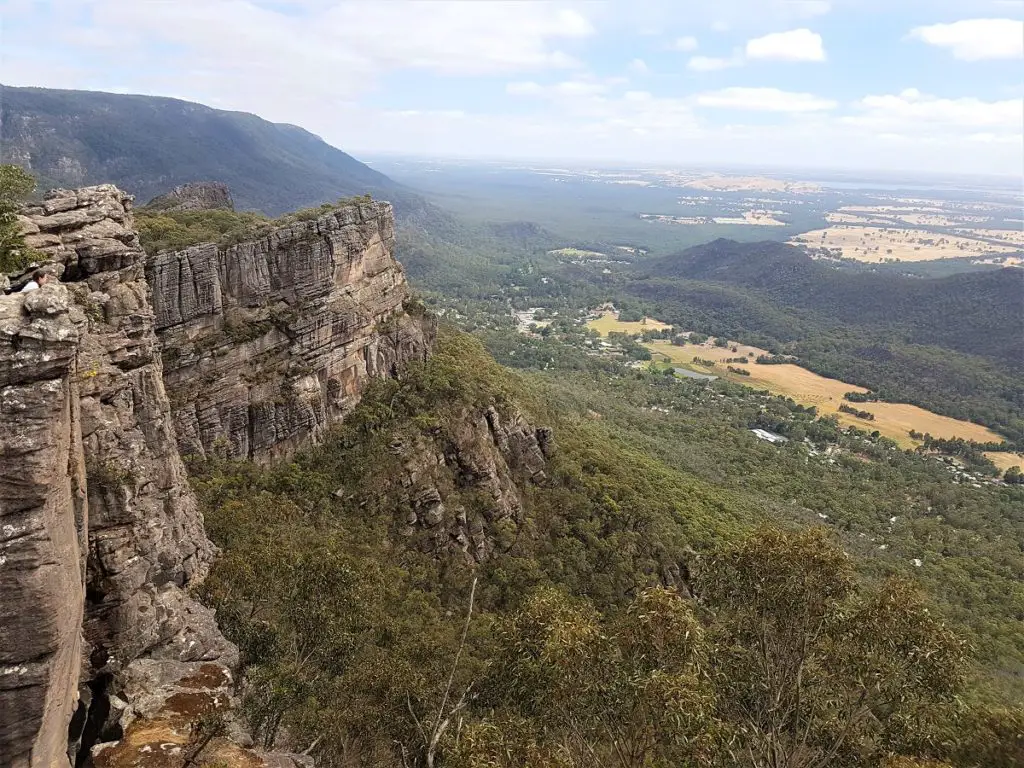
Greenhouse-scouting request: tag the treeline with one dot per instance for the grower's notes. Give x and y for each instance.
(861, 397)
(866, 415)
(775, 359)
(940, 380)
(739, 371)
(971, 453)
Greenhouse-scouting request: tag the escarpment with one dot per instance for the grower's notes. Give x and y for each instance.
(457, 488)
(460, 489)
(263, 345)
(269, 342)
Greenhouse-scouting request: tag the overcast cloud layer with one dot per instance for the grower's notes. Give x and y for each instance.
(862, 84)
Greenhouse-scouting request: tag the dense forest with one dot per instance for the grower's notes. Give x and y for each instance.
(977, 313)
(664, 566)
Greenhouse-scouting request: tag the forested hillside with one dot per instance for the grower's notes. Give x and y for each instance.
(562, 647)
(953, 345)
(147, 145)
(979, 313)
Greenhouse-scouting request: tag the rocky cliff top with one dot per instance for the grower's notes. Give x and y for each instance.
(267, 343)
(197, 196)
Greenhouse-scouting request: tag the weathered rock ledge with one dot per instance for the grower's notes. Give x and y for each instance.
(197, 196)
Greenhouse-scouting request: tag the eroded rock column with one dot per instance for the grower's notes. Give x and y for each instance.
(43, 518)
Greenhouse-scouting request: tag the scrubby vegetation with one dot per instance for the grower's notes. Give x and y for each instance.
(15, 187)
(632, 621)
(170, 230)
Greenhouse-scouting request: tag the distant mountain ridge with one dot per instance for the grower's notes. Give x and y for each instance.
(149, 145)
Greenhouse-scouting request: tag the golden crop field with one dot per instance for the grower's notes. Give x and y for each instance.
(1011, 236)
(609, 322)
(874, 244)
(1004, 459)
(893, 420)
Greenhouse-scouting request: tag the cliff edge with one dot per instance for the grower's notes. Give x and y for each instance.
(267, 343)
(264, 345)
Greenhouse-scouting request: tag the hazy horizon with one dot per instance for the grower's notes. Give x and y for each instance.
(920, 86)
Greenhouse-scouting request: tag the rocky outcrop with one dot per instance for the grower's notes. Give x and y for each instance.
(268, 343)
(101, 533)
(42, 526)
(197, 196)
(458, 489)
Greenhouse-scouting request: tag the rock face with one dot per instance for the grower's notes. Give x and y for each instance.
(460, 488)
(197, 196)
(100, 535)
(42, 526)
(268, 343)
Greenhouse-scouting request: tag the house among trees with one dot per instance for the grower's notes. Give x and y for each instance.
(771, 437)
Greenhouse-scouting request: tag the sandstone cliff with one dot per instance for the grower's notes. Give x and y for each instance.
(100, 535)
(197, 196)
(267, 343)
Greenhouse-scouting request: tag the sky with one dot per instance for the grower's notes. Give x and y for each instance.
(894, 85)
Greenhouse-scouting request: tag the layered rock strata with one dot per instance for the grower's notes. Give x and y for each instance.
(100, 535)
(268, 343)
(197, 196)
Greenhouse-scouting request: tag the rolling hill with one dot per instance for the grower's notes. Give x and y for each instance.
(978, 313)
(147, 145)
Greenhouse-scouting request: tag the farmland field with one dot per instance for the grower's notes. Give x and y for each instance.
(1004, 459)
(609, 323)
(874, 244)
(892, 420)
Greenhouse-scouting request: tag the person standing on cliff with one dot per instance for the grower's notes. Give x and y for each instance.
(39, 279)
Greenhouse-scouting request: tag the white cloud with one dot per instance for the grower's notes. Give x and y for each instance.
(764, 100)
(713, 63)
(911, 111)
(976, 39)
(638, 67)
(566, 89)
(685, 44)
(795, 45)
(311, 62)
(810, 7)
(332, 45)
